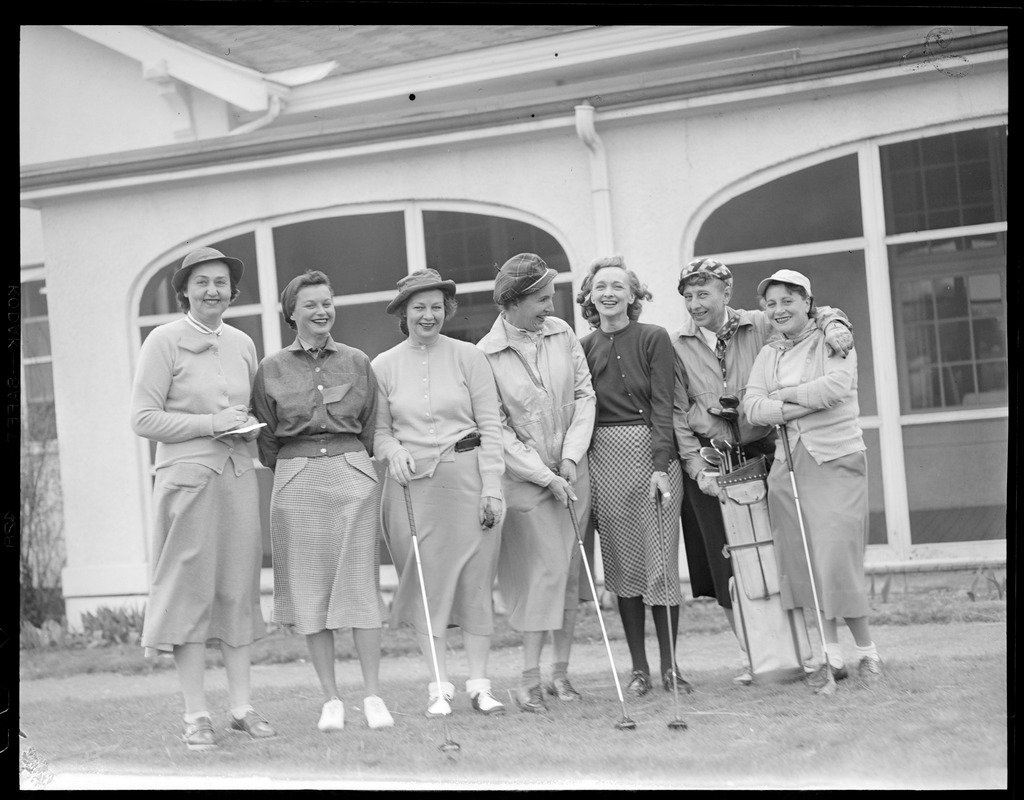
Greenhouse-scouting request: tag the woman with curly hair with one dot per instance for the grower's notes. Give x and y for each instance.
(633, 461)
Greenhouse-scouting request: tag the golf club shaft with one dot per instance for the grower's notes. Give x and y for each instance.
(807, 550)
(663, 535)
(423, 595)
(597, 602)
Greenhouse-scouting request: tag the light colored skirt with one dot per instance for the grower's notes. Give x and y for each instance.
(324, 532)
(639, 560)
(539, 566)
(457, 555)
(207, 554)
(834, 501)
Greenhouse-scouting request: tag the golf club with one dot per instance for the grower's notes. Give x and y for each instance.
(829, 687)
(724, 447)
(730, 412)
(449, 745)
(624, 724)
(676, 724)
(714, 458)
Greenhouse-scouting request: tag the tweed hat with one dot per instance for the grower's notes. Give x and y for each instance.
(201, 256)
(419, 281)
(704, 265)
(786, 276)
(521, 274)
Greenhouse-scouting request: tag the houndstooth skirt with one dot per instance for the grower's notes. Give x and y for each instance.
(633, 549)
(324, 531)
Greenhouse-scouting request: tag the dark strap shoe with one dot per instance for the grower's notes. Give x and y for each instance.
(531, 699)
(254, 725)
(198, 735)
(683, 684)
(640, 684)
(563, 690)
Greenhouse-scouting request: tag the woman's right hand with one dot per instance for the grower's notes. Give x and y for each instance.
(401, 467)
(562, 490)
(230, 418)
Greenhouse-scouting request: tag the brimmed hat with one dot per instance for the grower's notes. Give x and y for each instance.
(786, 276)
(521, 274)
(201, 256)
(419, 281)
(706, 265)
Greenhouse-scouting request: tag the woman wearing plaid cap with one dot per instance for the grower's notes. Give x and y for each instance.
(547, 409)
(633, 463)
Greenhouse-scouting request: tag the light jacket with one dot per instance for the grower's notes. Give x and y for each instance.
(700, 384)
(543, 422)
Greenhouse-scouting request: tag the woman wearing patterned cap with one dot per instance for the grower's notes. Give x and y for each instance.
(796, 382)
(715, 349)
(190, 391)
(439, 431)
(633, 463)
(547, 410)
(318, 398)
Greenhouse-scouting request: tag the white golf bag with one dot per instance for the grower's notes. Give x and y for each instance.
(775, 640)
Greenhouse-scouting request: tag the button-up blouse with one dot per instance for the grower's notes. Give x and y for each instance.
(314, 405)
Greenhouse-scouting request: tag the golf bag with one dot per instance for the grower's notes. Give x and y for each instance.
(775, 639)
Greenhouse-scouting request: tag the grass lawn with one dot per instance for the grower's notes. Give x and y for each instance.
(938, 720)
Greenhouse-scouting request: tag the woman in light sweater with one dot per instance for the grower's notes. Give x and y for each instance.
(439, 430)
(794, 382)
(191, 391)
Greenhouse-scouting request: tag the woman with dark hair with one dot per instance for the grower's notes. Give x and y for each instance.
(795, 382)
(191, 391)
(633, 462)
(318, 398)
(439, 431)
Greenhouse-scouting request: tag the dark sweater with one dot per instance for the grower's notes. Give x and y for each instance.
(633, 371)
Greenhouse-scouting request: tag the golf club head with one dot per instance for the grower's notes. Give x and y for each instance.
(730, 414)
(625, 724)
(449, 746)
(712, 456)
(722, 445)
(729, 401)
(677, 725)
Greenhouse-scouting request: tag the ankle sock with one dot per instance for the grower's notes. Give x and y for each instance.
(195, 715)
(867, 652)
(240, 711)
(835, 655)
(530, 678)
(560, 669)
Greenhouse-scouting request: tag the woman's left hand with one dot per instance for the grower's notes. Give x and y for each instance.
(491, 511)
(250, 435)
(659, 483)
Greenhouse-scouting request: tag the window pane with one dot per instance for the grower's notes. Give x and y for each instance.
(837, 280)
(945, 181)
(951, 297)
(918, 300)
(359, 253)
(954, 341)
(812, 205)
(877, 532)
(42, 421)
(33, 299)
(989, 338)
(921, 348)
(992, 385)
(471, 247)
(38, 382)
(957, 382)
(956, 480)
(35, 342)
(251, 326)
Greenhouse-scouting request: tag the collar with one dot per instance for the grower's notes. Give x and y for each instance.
(195, 323)
(689, 328)
(497, 339)
(301, 346)
(780, 342)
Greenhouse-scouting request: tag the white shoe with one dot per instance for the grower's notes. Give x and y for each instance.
(377, 714)
(743, 676)
(332, 718)
(479, 690)
(440, 701)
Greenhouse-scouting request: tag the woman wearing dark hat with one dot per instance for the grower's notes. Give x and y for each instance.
(633, 462)
(318, 399)
(795, 382)
(191, 391)
(547, 410)
(439, 431)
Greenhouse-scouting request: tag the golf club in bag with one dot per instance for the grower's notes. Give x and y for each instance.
(624, 724)
(829, 685)
(449, 745)
(730, 412)
(775, 640)
(676, 724)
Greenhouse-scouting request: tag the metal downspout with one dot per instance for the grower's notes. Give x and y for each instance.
(276, 106)
(598, 178)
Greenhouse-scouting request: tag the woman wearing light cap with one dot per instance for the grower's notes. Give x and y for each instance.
(439, 432)
(318, 398)
(795, 382)
(191, 390)
(634, 464)
(547, 409)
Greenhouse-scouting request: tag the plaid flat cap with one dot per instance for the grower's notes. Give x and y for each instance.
(707, 265)
(521, 274)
